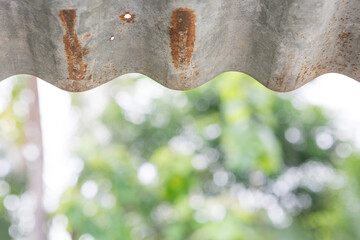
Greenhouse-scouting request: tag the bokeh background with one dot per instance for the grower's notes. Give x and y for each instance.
(230, 160)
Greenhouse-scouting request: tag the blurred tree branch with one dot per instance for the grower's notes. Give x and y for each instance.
(35, 167)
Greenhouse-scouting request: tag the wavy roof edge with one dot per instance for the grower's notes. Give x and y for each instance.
(78, 45)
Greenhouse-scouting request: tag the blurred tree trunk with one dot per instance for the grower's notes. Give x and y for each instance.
(35, 168)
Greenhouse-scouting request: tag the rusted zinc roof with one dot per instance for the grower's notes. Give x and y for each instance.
(78, 45)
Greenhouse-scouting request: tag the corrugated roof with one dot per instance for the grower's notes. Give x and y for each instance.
(78, 45)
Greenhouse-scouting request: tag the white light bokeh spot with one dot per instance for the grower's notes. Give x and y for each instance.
(147, 173)
(89, 189)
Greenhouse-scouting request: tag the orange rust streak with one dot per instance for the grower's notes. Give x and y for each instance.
(76, 66)
(182, 36)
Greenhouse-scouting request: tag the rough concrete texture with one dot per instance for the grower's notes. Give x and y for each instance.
(78, 45)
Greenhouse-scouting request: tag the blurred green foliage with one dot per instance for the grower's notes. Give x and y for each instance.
(229, 160)
(13, 115)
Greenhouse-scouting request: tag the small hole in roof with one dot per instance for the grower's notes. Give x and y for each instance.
(127, 17)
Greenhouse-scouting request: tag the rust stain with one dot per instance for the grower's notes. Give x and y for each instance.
(86, 51)
(344, 36)
(182, 36)
(86, 36)
(127, 17)
(280, 80)
(297, 78)
(76, 66)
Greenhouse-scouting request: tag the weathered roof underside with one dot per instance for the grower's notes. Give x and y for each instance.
(78, 45)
